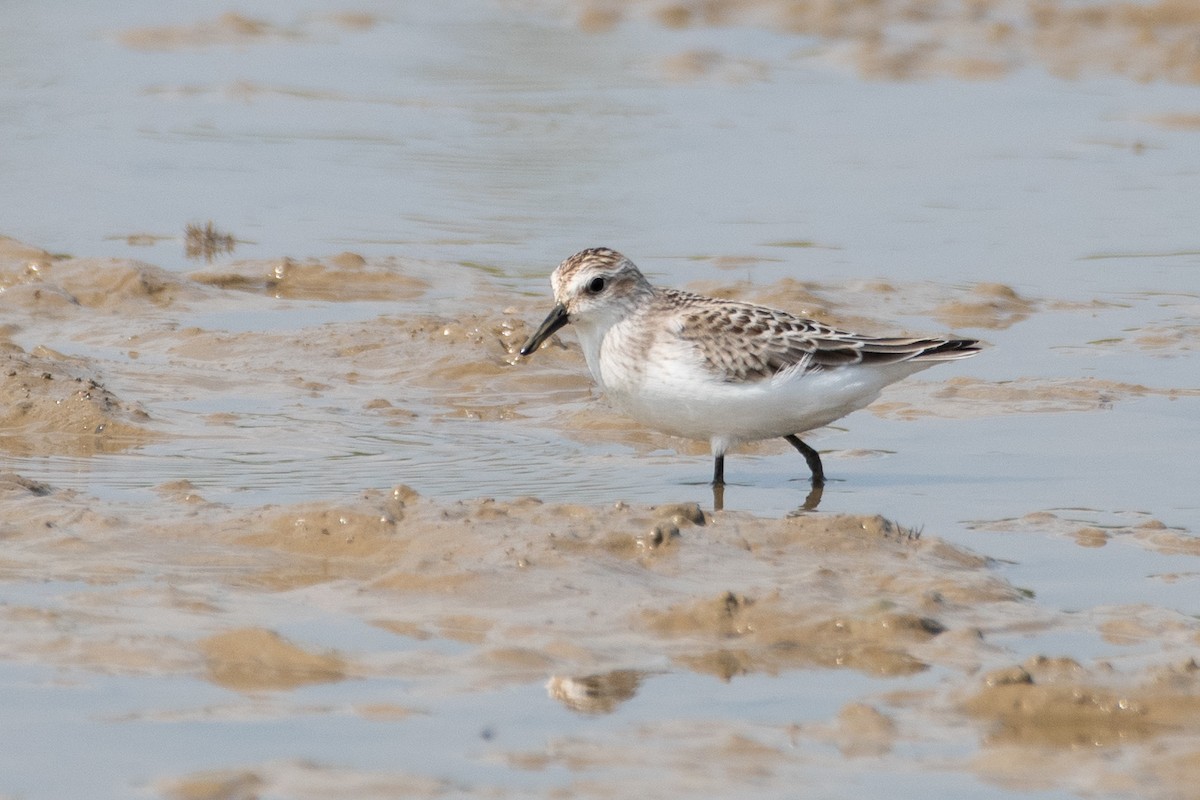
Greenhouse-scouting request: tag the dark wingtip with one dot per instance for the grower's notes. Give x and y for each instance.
(958, 346)
(952, 349)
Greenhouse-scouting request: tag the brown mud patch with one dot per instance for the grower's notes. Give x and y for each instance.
(991, 305)
(1177, 122)
(233, 29)
(1090, 528)
(252, 659)
(830, 592)
(344, 277)
(35, 279)
(1051, 718)
(51, 403)
(978, 40)
(765, 635)
(966, 398)
(230, 28)
(1163, 340)
(305, 779)
(1056, 702)
(594, 600)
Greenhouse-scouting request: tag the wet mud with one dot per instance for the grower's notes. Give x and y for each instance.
(976, 40)
(315, 513)
(596, 601)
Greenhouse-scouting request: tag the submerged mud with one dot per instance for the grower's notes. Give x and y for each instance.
(882, 39)
(977, 40)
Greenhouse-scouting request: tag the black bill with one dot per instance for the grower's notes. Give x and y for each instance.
(554, 320)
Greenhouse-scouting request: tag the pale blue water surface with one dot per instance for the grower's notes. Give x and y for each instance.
(487, 134)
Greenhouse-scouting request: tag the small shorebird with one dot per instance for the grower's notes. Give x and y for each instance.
(718, 370)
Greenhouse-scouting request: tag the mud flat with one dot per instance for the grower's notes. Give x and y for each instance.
(721, 647)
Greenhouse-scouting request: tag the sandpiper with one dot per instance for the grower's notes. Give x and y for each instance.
(722, 371)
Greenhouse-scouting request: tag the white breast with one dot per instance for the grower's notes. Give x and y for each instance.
(666, 385)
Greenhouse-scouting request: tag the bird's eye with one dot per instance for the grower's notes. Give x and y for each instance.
(596, 286)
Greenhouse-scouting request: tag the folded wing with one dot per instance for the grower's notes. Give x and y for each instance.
(742, 342)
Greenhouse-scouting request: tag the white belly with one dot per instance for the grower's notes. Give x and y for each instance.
(684, 401)
(674, 392)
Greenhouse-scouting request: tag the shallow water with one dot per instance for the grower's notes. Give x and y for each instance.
(462, 150)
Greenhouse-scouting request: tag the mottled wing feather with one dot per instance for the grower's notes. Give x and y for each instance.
(742, 342)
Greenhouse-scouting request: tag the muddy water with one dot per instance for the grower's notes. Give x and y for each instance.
(296, 521)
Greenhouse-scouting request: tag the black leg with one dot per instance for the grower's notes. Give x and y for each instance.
(811, 456)
(719, 471)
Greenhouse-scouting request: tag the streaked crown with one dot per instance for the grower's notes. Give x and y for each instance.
(597, 278)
